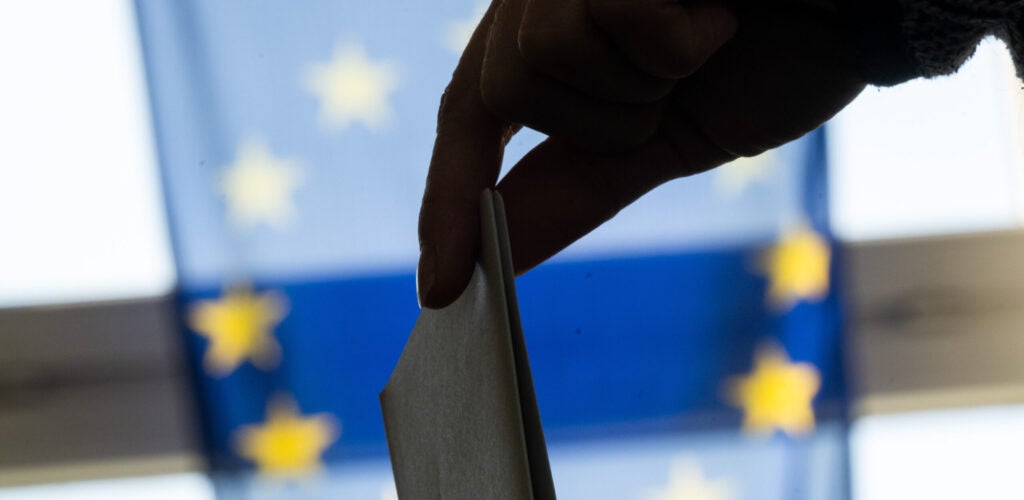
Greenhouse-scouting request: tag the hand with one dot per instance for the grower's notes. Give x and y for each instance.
(633, 93)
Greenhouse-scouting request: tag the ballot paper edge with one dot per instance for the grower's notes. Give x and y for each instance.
(392, 403)
(541, 479)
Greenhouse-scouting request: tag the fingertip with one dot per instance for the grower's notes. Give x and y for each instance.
(431, 292)
(448, 254)
(710, 25)
(466, 159)
(424, 279)
(439, 285)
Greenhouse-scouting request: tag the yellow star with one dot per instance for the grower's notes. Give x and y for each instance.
(288, 445)
(687, 482)
(239, 326)
(353, 89)
(777, 395)
(798, 268)
(259, 187)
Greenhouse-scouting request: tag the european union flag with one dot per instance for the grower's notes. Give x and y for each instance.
(688, 349)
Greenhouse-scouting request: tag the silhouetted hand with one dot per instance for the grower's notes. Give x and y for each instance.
(633, 93)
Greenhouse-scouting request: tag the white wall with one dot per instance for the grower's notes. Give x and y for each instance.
(932, 156)
(950, 454)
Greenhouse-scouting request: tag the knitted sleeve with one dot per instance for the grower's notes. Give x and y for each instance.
(897, 40)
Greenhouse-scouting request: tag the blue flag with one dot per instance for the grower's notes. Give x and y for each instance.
(689, 347)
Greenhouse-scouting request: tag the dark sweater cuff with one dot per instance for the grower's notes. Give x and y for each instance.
(874, 31)
(1014, 37)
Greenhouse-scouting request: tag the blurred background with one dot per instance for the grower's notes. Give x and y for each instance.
(208, 213)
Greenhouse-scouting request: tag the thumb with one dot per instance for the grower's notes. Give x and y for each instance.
(466, 160)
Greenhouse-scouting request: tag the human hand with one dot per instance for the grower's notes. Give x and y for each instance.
(630, 100)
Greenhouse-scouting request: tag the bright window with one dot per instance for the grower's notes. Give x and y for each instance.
(932, 156)
(81, 217)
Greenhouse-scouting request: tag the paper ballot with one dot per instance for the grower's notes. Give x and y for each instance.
(460, 410)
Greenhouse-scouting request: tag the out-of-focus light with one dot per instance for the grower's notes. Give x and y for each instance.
(932, 156)
(189, 486)
(81, 217)
(948, 454)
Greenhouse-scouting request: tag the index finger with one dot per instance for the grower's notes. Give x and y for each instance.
(466, 160)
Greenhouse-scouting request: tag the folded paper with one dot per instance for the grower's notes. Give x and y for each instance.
(460, 410)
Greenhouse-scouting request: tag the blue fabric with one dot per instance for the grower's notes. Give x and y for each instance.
(631, 333)
(623, 346)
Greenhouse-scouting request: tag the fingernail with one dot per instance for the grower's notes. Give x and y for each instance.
(425, 274)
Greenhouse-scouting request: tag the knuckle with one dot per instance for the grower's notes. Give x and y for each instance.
(505, 92)
(495, 93)
(695, 147)
(681, 56)
(536, 44)
(547, 47)
(676, 57)
(649, 89)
